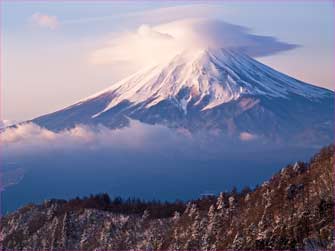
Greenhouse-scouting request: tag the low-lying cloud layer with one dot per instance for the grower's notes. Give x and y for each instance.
(154, 44)
(30, 138)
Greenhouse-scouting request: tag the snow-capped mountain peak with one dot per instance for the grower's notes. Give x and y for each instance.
(214, 90)
(213, 76)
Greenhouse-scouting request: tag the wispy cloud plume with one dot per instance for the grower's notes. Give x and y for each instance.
(45, 21)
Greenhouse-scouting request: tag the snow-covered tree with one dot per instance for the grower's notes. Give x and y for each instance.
(194, 239)
(220, 204)
(212, 230)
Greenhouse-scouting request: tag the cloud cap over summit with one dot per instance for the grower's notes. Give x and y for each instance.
(153, 44)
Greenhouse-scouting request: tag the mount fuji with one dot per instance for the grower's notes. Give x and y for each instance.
(212, 90)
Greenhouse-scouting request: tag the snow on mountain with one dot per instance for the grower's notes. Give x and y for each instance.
(209, 90)
(220, 75)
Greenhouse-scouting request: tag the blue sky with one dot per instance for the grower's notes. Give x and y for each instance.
(47, 45)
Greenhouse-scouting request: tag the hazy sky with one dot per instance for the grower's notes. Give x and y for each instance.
(56, 53)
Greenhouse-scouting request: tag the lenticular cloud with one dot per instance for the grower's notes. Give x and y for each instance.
(155, 44)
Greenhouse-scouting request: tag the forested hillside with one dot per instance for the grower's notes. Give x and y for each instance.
(293, 210)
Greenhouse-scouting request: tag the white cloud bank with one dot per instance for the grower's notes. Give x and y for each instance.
(31, 139)
(45, 21)
(154, 44)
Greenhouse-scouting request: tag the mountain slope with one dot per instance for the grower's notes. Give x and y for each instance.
(292, 211)
(220, 90)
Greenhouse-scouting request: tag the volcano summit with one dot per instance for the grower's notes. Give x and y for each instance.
(216, 90)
